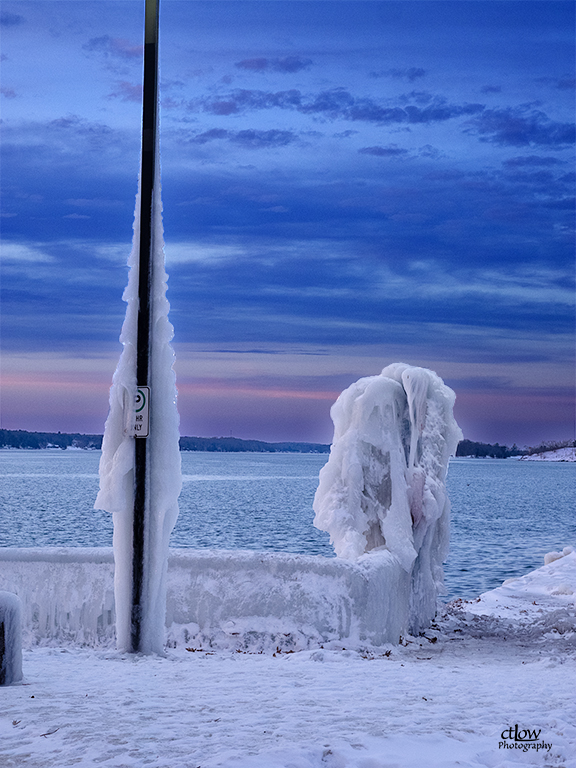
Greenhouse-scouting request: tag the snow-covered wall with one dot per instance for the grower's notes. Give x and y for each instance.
(384, 486)
(230, 599)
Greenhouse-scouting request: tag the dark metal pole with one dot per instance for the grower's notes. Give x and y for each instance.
(147, 182)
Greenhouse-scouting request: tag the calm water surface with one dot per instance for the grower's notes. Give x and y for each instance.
(505, 514)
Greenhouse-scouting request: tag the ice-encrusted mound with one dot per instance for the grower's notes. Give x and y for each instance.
(384, 484)
(116, 493)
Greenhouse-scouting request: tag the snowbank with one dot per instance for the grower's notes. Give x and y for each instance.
(384, 486)
(560, 454)
(528, 598)
(246, 600)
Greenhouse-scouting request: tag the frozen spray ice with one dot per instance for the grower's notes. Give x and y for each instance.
(384, 484)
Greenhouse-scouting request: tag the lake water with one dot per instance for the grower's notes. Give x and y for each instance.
(506, 514)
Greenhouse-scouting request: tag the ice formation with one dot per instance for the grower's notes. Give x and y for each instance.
(10, 638)
(383, 487)
(116, 493)
(241, 600)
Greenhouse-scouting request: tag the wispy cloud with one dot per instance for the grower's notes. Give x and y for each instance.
(23, 253)
(114, 47)
(522, 126)
(8, 19)
(339, 103)
(392, 150)
(288, 64)
(126, 91)
(249, 138)
(408, 73)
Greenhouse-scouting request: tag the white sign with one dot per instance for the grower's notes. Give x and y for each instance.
(142, 412)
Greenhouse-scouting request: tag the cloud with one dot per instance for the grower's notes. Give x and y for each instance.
(531, 160)
(249, 139)
(19, 253)
(392, 150)
(8, 19)
(521, 127)
(94, 202)
(8, 93)
(127, 91)
(114, 47)
(409, 73)
(288, 64)
(338, 103)
(491, 89)
(565, 83)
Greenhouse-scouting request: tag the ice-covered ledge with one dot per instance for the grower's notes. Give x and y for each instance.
(226, 599)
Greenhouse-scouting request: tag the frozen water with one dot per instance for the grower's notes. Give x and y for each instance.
(116, 493)
(384, 486)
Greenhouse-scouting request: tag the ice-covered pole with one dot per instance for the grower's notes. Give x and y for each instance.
(140, 473)
(147, 183)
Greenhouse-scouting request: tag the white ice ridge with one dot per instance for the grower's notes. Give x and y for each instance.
(117, 463)
(383, 487)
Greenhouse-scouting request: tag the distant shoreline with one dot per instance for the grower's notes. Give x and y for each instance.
(22, 439)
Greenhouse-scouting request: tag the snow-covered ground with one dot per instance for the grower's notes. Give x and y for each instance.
(491, 683)
(560, 454)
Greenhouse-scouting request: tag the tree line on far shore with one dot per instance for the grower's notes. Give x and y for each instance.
(20, 438)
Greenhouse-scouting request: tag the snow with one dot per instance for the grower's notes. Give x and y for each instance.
(383, 487)
(560, 454)
(10, 638)
(451, 697)
(163, 456)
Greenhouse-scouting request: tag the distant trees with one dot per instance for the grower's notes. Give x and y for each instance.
(21, 439)
(496, 451)
(36, 440)
(236, 445)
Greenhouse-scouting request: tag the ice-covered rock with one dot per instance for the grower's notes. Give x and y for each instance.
(384, 487)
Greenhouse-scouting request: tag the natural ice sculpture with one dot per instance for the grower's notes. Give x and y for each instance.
(117, 463)
(384, 484)
(10, 638)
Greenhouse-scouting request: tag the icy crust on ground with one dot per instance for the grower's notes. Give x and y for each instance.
(117, 462)
(384, 484)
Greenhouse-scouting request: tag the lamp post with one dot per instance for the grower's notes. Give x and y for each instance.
(148, 173)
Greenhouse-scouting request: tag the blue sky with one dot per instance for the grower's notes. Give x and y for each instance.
(345, 185)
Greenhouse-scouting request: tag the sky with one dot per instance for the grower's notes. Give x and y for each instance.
(345, 185)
